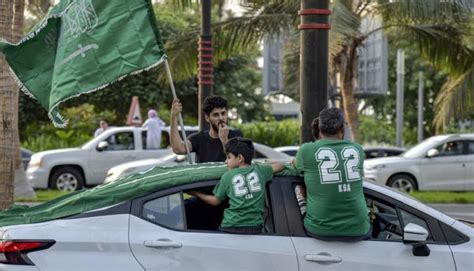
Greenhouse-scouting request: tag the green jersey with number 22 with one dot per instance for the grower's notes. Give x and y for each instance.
(245, 188)
(333, 172)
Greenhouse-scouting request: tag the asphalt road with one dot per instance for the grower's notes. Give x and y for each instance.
(460, 211)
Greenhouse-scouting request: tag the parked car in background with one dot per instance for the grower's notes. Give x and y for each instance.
(25, 157)
(147, 223)
(73, 168)
(370, 152)
(378, 152)
(262, 153)
(444, 162)
(290, 150)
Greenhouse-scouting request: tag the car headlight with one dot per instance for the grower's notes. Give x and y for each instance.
(374, 167)
(35, 161)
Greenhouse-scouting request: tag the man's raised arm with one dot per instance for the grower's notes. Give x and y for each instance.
(175, 140)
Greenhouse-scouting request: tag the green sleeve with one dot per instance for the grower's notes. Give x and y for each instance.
(220, 190)
(299, 159)
(267, 172)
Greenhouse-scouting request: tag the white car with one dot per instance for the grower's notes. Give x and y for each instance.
(262, 152)
(444, 162)
(73, 168)
(147, 222)
(370, 152)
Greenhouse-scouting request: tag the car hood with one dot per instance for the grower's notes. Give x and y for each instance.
(58, 151)
(138, 164)
(389, 160)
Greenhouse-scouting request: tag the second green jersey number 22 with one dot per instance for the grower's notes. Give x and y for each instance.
(244, 186)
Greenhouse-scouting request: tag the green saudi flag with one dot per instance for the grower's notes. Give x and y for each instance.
(82, 46)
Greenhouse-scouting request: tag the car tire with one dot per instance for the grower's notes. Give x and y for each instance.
(403, 182)
(67, 179)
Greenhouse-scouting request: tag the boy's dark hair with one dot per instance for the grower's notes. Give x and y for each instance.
(315, 128)
(212, 102)
(331, 120)
(240, 145)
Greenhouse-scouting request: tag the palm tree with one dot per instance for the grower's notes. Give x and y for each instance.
(7, 112)
(436, 26)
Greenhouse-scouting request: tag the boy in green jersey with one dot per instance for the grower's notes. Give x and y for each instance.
(333, 171)
(244, 186)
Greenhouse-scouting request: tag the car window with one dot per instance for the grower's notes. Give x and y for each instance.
(470, 147)
(291, 152)
(450, 148)
(388, 221)
(166, 211)
(258, 155)
(371, 154)
(410, 218)
(121, 141)
(182, 211)
(392, 153)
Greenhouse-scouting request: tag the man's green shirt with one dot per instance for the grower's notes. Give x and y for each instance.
(245, 189)
(333, 172)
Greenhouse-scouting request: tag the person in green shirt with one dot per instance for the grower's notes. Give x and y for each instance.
(333, 171)
(244, 186)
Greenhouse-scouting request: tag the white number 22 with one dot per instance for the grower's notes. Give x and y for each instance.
(328, 162)
(242, 185)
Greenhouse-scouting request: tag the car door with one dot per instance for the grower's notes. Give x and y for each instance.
(121, 149)
(445, 171)
(385, 251)
(161, 239)
(469, 165)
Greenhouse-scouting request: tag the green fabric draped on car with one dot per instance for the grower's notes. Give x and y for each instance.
(124, 189)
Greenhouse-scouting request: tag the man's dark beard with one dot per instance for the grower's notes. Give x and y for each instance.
(214, 127)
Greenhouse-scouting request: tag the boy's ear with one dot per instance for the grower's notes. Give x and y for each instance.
(241, 158)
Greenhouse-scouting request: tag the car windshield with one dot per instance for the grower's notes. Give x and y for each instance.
(421, 149)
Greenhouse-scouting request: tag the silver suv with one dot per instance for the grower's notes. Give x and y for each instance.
(444, 162)
(73, 168)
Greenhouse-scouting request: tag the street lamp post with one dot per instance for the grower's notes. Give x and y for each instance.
(314, 29)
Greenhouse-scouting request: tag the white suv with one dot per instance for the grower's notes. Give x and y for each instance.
(73, 168)
(444, 162)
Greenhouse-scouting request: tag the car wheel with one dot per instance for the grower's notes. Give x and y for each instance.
(67, 179)
(403, 182)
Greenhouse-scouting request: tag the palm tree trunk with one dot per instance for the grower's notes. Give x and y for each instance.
(351, 113)
(7, 113)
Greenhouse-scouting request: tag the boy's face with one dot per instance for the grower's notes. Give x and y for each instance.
(216, 118)
(233, 161)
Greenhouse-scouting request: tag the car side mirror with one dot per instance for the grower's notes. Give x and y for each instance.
(102, 145)
(416, 236)
(432, 153)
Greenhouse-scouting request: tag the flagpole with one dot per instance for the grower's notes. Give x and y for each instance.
(180, 117)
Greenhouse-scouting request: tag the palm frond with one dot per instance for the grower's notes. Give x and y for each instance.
(345, 25)
(182, 55)
(248, 30)
(455, 12)
(442, 45)
(183, 4)
(456, 100)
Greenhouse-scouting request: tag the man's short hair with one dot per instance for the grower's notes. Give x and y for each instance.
(331, 120)
(212, 102)
(240, 145)
(315, 128)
